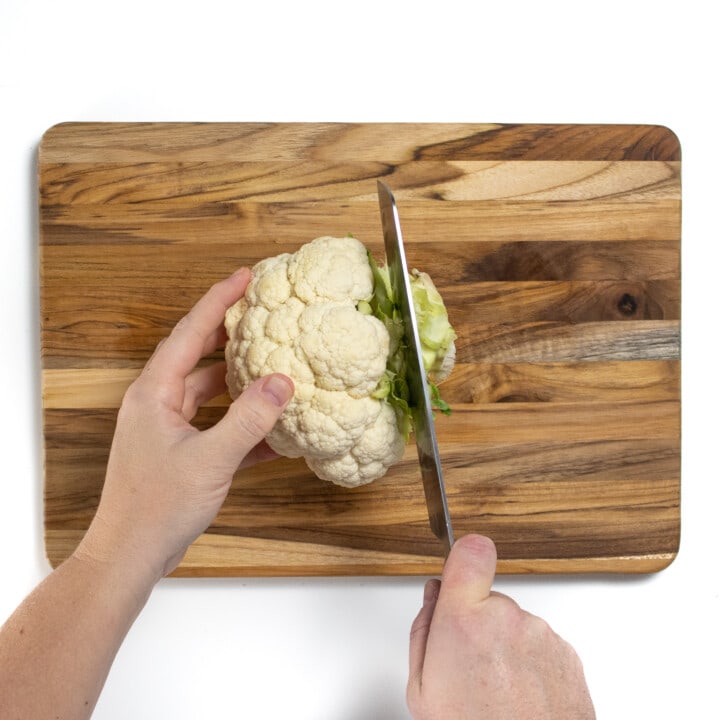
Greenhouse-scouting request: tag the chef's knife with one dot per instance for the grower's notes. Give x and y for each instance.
(424, 425)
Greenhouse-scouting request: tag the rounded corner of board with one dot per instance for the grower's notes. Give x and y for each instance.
(52, 131)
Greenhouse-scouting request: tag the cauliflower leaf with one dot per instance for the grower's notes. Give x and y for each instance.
(436, 340)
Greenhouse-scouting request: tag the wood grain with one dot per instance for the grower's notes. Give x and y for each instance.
(556, 248)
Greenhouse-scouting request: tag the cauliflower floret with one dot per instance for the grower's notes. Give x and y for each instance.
(331, 268)
(369, 458)
(283, 323)
(326, 425)
(299, 317)
(271, 287)
(345, 349)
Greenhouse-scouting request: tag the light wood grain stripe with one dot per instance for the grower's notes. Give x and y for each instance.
(94, 388)
(563, 381)
(501, 423)
(481, 383)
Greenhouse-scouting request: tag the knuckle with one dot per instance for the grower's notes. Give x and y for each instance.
(507, 611)
(136, 394)
(251, 422)
(181, 323)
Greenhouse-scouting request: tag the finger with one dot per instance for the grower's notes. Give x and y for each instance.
(468, 573)
(248, 420)
(419, 635)
(202, 385)
(199, 332)
(215, 340)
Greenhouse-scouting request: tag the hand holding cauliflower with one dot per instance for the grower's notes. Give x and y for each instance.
(323, 317)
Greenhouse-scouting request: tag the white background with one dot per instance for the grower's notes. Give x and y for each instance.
(336, 649)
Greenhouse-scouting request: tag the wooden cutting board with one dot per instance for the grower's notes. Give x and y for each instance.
(556, 248)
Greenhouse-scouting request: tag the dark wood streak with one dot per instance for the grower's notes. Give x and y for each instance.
(559, 142)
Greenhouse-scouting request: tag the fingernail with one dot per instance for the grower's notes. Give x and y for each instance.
(278, 389)
(240, 271)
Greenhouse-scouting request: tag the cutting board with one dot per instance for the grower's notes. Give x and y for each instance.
(556, 248)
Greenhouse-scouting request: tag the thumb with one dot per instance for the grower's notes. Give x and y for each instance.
(249, 419)
(468, 573)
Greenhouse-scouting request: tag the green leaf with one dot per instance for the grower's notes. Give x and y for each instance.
(437, 402)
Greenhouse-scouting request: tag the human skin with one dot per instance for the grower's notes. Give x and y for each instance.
(165, 483)
(474, 653)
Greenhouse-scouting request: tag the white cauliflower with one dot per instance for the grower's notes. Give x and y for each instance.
(308, 315)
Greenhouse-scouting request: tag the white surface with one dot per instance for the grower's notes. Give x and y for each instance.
(336, 649)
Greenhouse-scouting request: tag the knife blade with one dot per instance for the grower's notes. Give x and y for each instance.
(423, 422)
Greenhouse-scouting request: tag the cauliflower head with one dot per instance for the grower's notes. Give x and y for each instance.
(325, 317)
(299, 317)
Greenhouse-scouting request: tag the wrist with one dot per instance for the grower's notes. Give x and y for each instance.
(110, 554)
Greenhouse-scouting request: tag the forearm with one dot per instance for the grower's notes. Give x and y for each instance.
(165, 483)
(57, 648)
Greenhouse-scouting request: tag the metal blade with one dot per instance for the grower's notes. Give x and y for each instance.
(424, 425)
